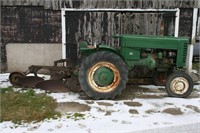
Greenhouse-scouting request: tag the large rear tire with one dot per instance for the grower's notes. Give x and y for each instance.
(103, 75)
(179, 84)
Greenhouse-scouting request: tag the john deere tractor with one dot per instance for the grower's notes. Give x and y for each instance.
(104, 70)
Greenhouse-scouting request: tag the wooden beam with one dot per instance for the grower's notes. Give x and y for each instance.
(193, 40)
(118, 10)
(63, 34)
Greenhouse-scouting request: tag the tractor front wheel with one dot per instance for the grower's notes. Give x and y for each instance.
(103, 75)
(179, 84)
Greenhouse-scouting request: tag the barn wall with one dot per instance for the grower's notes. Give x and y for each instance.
(30, 25)
(27, 24)
(99, 27)
(58, 4)
(39, 21)
(185, 24)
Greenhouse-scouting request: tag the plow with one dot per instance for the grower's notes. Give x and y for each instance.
(105, 70)
(62, 76)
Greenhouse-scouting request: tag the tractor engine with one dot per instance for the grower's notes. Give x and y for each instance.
(162, 58)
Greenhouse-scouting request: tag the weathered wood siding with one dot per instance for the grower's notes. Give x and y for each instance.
(57, 4)
(39, 21)
(26, 24)
(185, 24)
(99, 27)
(30, 25)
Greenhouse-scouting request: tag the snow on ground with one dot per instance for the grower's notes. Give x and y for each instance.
(153, 110)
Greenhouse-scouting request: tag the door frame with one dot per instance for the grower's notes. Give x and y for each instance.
(64, 10)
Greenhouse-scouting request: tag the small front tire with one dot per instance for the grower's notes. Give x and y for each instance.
(179, 84)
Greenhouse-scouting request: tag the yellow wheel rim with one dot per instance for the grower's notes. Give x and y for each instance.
(112, 86)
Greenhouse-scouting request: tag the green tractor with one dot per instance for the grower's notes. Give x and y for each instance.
(105, 70)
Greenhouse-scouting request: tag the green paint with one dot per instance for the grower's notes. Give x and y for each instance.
(149, 62)
(137, 42)
(160, 55)
(131, 47)
(103, 76)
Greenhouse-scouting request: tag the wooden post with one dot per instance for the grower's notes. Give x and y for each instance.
(177, 22)
(63, 33)
(193, 40)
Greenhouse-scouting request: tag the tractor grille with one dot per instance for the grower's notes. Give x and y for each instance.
(185, 52)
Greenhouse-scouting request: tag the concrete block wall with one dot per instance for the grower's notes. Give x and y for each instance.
(22, 55)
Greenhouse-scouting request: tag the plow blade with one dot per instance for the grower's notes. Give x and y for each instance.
(29, 81)
(51, 85)
(18, 79)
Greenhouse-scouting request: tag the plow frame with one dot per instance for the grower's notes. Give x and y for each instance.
(62, 69)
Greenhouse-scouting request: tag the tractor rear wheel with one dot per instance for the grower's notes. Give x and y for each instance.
(179, 84)
(103, 75)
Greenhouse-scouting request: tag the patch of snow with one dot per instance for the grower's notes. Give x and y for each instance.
(151, 86)
(4, 82)
(65, 97)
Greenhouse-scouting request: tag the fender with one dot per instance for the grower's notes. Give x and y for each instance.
(88, 49)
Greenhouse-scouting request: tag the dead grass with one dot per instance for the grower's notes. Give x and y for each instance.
(26, 107)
